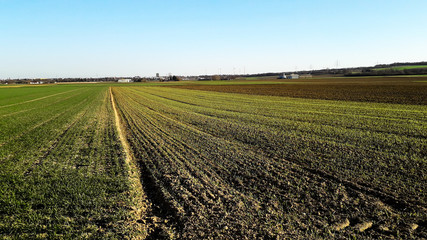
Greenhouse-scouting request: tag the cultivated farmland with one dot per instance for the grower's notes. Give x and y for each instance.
(215, 160)
(62, 169)
(225, 165)
(401, 90)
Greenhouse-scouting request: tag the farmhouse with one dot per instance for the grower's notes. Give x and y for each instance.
(125, 80)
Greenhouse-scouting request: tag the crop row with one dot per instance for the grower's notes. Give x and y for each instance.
(393, 144)
(225, 165)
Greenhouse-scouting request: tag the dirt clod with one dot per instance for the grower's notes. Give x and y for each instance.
(342, 225)
(364, 226)
(414, 226)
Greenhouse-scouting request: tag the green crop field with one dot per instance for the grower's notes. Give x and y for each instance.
(62, 170)
(316, 159)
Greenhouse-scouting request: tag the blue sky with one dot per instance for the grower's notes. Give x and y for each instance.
(76, 38)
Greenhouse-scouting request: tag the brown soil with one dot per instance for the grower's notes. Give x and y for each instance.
(402, 90)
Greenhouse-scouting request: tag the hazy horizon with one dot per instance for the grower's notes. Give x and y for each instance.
(49, 39)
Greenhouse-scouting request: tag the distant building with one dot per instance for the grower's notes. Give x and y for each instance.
(203, 78)
(157, 75)
(125, 80)
(189, 78)
(293, 76)
(282, 76)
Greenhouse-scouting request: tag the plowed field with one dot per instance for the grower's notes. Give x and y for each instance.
(401, 90)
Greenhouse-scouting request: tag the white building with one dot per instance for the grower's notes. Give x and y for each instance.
(293, 76)
(125, 80)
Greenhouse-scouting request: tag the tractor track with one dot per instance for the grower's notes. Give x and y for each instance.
(152, 210)
(54, 144)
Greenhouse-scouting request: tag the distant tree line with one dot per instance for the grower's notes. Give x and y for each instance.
(400, 64)
(358, 71)
(387, 72)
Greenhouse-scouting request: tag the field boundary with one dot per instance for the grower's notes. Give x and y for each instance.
(136, 191)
